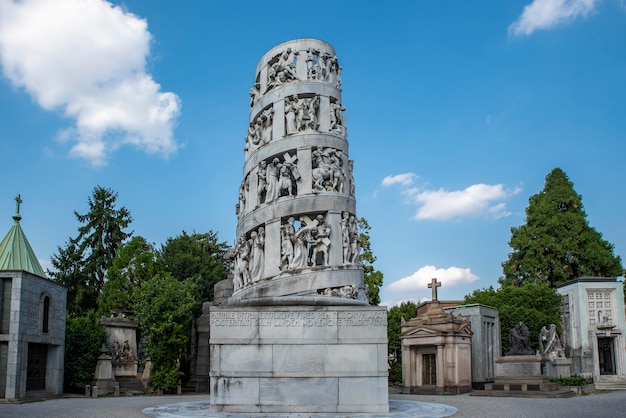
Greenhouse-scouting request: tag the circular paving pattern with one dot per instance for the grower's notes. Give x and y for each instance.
(397, 408)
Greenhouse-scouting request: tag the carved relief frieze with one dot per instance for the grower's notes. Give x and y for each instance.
(248, 258)
(301, 114)
(322, 66)
(304, 242)
(350, 239)
(260, 130)
(327, 170)
(282, 69)
(277, 177)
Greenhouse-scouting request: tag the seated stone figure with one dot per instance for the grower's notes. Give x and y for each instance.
(520, 341)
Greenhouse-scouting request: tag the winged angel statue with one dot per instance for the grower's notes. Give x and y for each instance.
(550, 343)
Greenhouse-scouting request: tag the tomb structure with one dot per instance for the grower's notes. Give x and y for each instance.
(436, 351)
(593, 323)
(297, 334)
(485, 325)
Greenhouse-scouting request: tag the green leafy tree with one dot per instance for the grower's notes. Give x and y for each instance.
(135, 262)
(536, 305)
(84, 338)
(197, 257)
(164, 308)
(373, 278)
(395, 314)
(557, 244)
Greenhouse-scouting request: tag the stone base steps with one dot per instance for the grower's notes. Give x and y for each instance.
(524, 387)
(559, 393)
(610, 386)
(130, 386)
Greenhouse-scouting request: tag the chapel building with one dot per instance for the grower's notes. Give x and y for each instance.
(32, 321)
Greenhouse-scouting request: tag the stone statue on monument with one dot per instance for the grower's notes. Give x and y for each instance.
(520, 341)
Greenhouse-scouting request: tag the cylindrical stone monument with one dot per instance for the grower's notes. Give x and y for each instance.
(297, 335)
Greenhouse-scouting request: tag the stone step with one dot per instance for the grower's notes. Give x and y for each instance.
(560, 393)
(610, 386)
(131, 386)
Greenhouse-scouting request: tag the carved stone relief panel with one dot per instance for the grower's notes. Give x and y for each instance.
(244, 189)
(282, 69)
(327, 170)
(277, 177)
(322, 66)
(337, 119)
(301, 114)
(350, 239)
(260, 130)
(304, 242)
(248, 258)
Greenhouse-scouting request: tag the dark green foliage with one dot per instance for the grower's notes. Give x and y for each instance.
(406, 310)
(101, 232)
(536, 305)
(84, 338)
(199, 257)
(164, 308)
(373, 278)
(68, 265)
(557, 244)
(134, 263)
(82, 264)
(569, 381)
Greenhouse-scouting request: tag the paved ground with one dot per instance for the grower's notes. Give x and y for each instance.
(606, 405)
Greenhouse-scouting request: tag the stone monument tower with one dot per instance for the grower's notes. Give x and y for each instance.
(298, 335)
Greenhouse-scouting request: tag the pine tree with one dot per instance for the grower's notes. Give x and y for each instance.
(557, 244)
(102, 231)
(83, 263)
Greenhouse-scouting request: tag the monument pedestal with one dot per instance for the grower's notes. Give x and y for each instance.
(521, 376)
(558, 367)
(290, 359)
(103, 378)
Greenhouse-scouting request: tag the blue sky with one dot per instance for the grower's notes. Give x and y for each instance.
(456, 112)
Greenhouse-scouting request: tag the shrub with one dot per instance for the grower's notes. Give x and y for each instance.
(83, 339)
(569, 381)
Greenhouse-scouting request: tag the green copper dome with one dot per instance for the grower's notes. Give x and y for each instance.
(15, 250)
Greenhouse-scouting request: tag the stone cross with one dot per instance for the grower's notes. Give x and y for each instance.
(434, 284)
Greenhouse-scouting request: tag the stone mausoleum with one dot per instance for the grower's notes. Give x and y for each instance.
(32, 320)
(592, 315)
(436, 351)
(297, 334)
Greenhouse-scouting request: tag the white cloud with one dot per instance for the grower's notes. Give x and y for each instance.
(418, 281)
(545, 14)
(88, 58)
(475, 200)
(405, 179)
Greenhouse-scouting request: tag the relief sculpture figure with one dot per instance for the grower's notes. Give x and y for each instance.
(327, 170)
(272, 174)
(291, 107)
(287, 232)
(258, 254)
(321, 235)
